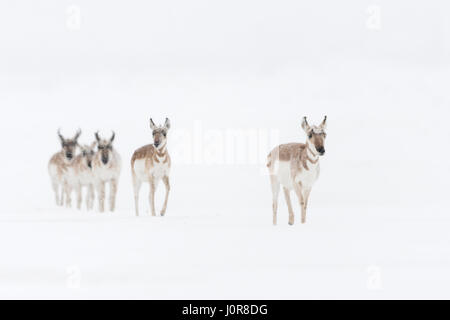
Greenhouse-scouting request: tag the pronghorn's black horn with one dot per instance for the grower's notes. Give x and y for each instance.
(77, 135)
(112, 137)
(60, 135)
(97, 136)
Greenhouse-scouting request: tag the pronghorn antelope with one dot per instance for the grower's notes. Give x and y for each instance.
(106, 167)
(81, 175)
(296, 166)
(151, 163)
(59, 165)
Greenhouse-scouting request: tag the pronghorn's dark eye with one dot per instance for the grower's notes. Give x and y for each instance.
(310, 135)
(84, 153)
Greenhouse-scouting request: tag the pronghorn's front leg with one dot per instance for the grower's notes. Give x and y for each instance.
(101, 196)
(275, 191)
(56, 188)
(298, 191)
(287, 196)
(152, 195)
(167, 184)
(90, 197)
(79, 196)
(68, 192)
(112, 195)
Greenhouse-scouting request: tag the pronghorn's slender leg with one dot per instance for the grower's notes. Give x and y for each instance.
(62, 191)
(55, 187)
(112, 195)
(167, 184)
(305, 197)
(68, 191)
(78, 190)
(90, 197)
(136, 187)
(152, 196)
(101, 196)
(287, 196)
(298, 190)
(275, 191)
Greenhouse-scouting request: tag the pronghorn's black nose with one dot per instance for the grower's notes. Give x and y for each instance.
(69, 155)
(104, 160)
(89, 164)
(156, 144)
(321, 150)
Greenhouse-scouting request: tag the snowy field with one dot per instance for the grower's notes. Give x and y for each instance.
(235, 78)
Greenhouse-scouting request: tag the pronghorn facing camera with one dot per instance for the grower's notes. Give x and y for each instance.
(106, 167)
(81, 175)
(151, 163)
(296, 166)
(59, 165)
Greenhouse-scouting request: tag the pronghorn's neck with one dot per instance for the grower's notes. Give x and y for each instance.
(311, 154)
(161, 151)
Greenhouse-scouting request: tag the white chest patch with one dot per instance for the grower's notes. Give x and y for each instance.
(158, 171)
(308, 177)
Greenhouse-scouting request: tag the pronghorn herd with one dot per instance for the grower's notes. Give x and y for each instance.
(91, 169)
(294, 166)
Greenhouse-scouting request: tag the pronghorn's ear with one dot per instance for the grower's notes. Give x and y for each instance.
(60, 136)
(77, 135)
(167, 124)
(323, 125)
(305, 125)
(97, 137)
(112, 137)
(152, 124)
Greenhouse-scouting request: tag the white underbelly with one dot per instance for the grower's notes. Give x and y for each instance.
(158, 171)
(305, 177)
(283, 173)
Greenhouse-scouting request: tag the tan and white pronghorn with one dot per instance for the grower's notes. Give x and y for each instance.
(81, 175)
(106, 166)
(151, 163)
(59, 165)
(296, 166)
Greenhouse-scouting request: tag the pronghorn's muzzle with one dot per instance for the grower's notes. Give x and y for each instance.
(105, 160)
(157, 143)
(89, 164)
(69, 155)
(321, 150)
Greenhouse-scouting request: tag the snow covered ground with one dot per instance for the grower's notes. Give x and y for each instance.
(235, 78)
(364, 253)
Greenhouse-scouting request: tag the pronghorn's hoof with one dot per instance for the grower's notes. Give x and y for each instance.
(291, 223)
(163, 212)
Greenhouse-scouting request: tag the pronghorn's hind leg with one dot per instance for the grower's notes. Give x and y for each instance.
(275, 192)
(167, 184)
(287, 196)
(136, 188)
